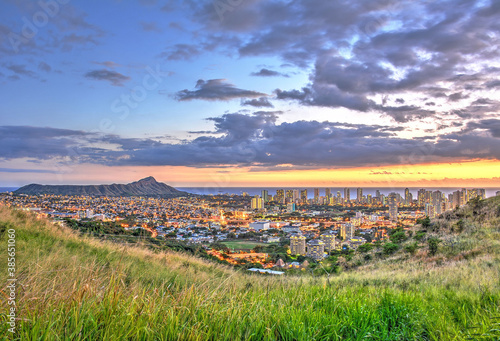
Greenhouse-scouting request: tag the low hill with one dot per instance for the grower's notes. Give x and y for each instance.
(77, 288)
(144, 187)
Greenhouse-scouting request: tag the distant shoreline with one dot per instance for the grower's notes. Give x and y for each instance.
(490, 191)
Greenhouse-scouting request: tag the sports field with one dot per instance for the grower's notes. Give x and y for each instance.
(244, 244)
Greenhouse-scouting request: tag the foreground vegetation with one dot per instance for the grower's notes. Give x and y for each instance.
(73, 287)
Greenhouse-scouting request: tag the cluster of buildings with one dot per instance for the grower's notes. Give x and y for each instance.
(295, 197)
(315, 248)
(434, 202)
(218, 217)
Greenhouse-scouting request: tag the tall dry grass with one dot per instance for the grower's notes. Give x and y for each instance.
(78, 288)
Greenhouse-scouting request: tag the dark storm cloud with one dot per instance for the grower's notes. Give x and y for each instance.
(326, 96)
(405, 113)
(35, 142)
(115, 78)
(261, 102)
(491, 125)
(43, 143)
(259, 141)
(215, 90)
(267, 73)
(493, 84)
(368, 47)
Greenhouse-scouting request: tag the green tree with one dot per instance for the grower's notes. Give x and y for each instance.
(425, 222)
(390, 248)
(433, 243)
(219, 246)
(420, 235)
(258, 248)
(411, 248)
(398, 237)
(364, 248)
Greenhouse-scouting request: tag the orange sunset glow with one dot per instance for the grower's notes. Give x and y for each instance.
(482, 173)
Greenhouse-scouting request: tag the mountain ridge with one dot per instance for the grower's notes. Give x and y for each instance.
(144, 187)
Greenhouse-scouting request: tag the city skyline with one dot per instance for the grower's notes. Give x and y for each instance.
(251, 93)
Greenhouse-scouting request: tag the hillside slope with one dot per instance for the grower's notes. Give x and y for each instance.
(73, 287)
(144, 187)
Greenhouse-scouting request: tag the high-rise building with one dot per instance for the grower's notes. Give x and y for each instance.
(430, 211)
(421, 197)
(328, 192)
(347, 195)
(476, 193)
(342, 232)
(349, 229)
(280, 196)
(316, 195)
(383, 199)
(437, 201)
(497, 193)
(296, 195)
(407, 196)
(329, 239)
(316, 249)
(377, 193)
(290, 207)
(303, 196)
(257, 203)
(456, 199)
(369, 199)
(265, 195)
(298, 244)
(410, 199)
(393, 207)
(359, 195)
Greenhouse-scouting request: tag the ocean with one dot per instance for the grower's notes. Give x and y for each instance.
(490, 192)
(7, 189)
(252, 191)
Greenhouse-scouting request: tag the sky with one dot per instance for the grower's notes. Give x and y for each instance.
(388, 93)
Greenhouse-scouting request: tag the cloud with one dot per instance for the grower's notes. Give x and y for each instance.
(44, 67)
(108, 64)
(357, 50)
(261, 102)
(493, 84)
(182, 52)
(491, 125)
(215, 90)
(115, 78)
(268, 73)
(150, 27)
(64, 28)
(20, 70)
(22, 170)
(257, 140)
(37, 142)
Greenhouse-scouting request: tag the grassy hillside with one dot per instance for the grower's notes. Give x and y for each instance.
(75, 288)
